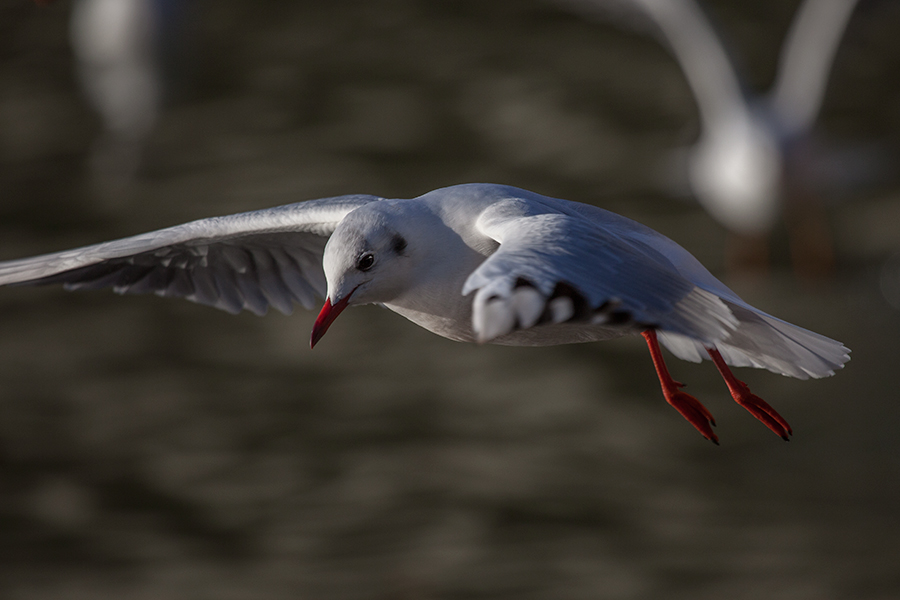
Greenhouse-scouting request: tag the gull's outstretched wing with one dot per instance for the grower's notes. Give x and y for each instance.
(561, 261)
(556, 267)
(251, 260)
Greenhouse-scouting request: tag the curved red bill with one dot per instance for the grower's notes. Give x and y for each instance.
(326, 317)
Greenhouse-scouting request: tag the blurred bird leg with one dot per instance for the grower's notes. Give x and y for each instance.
(811, 241)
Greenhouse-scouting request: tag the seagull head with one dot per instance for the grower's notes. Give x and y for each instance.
(366, 261)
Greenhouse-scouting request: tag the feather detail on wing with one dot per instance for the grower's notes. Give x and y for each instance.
(766, 342)
(249, 261)
(553, 268)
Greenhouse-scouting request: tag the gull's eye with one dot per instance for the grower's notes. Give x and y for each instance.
(365, 262)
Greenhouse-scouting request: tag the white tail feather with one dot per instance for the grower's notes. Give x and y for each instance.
(765, 342)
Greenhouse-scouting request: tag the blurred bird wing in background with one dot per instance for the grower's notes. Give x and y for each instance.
(805, 62)
(681, 26)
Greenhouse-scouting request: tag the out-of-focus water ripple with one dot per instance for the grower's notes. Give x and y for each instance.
(152, 448)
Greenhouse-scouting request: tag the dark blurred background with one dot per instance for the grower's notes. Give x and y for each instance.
(153, 448)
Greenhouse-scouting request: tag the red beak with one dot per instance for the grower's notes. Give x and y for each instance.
(326, 317)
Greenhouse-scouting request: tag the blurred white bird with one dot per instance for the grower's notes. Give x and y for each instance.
(118, 47)
(477, 262)
(740, 167)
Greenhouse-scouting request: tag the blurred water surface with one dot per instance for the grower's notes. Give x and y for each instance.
(152, 448)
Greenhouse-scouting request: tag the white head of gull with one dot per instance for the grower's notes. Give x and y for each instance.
(475, 262)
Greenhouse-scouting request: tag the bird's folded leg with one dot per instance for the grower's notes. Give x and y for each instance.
(689, 407)
(758, 407)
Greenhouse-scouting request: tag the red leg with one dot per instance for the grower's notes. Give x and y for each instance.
(756, 405)
(689, 407)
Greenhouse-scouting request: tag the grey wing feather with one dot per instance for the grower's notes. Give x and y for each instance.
(806, 59)
(759, 340)
(606, 277)
(620, 267)
(251, 261)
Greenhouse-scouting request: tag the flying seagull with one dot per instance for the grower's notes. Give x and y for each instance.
(473, 263)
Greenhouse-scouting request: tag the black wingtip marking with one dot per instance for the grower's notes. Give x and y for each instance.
(522, 282)
(612, 313)
(580, 308)
(609, 313)
(579, 302)
(620, 317)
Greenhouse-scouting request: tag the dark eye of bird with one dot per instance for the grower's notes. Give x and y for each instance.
(365, 262)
